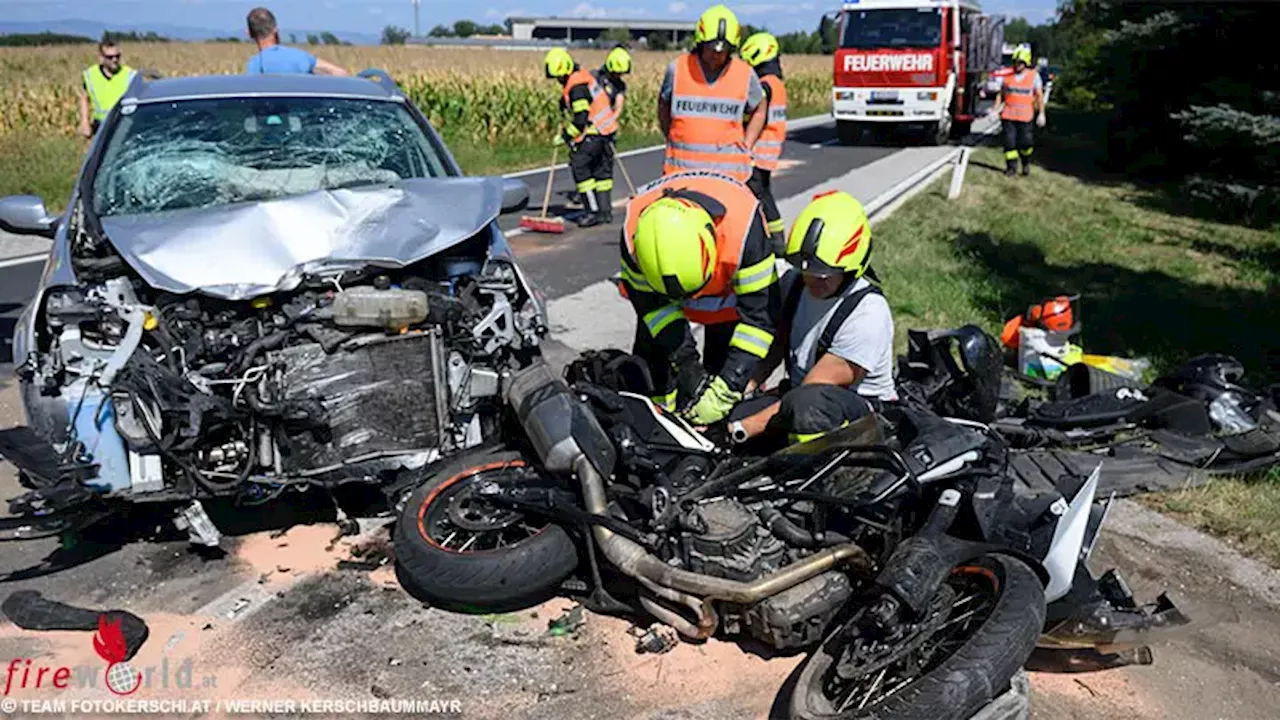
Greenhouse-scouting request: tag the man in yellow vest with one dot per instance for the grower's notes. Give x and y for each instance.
(102, 86)
(694, 249)
(761, 52)
(588, 133)
(704, 97)
(1021, 102)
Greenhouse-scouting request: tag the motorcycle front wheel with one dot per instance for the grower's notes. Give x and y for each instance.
(981, 628)
(456, 550)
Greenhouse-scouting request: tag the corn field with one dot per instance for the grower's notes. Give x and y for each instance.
(483, 96)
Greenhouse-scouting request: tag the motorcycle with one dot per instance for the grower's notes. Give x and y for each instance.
(898, 550)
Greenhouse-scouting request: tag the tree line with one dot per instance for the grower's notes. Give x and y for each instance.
(1191, 93)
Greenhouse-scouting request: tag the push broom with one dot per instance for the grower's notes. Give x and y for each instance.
(542, 223)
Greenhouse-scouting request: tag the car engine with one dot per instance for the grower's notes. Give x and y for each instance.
(352, 375)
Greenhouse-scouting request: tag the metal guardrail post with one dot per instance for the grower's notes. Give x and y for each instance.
(957, 173)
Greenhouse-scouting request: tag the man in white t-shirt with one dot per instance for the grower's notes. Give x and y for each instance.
(835, 331)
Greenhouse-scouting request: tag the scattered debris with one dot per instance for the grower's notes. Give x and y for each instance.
(394, 662)
(1086, 687)
(380, 692)
(240, 605)
(658, 639)
(283, 568)
(568, 623)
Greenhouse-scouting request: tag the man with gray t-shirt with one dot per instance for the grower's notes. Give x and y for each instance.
(835, 332)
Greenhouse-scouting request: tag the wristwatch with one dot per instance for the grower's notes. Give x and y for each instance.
(737, 432)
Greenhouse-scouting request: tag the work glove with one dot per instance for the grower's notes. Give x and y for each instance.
(1040, 120)
(558, 140)
(715, 403)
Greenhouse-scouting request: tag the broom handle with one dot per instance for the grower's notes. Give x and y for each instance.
(626, 175)
(551, 173)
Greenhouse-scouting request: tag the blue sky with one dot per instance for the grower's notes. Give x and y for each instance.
(369, 16)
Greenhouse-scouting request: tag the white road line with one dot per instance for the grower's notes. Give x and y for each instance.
(23, 260)
(792, 126)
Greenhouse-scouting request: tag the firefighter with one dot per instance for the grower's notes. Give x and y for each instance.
(609, 76)
(103, 86)
(587, 133)
(1021, 102)
(705, 95)
(694, 249)
(835, 332)
(761, 51)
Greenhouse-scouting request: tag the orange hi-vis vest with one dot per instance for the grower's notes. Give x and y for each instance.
(716, 302)
(1019, 97)
(614, 113)
(768, 149)
(706, 120)
(600, 114)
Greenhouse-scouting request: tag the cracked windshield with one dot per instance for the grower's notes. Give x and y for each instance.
(205, 153)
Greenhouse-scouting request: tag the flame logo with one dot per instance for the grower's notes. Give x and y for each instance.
(109, 642)
(851, 245)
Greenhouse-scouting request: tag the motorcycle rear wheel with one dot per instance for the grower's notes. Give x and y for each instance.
(1001, 603)
(457, 551)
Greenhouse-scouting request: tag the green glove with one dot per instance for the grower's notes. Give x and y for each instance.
(715, 403)
(558, 140)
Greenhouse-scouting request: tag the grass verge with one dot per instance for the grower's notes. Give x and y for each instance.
(1156, 283)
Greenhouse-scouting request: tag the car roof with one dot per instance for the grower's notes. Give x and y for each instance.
(244, 85)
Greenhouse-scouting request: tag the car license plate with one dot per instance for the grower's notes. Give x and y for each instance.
(884, 96)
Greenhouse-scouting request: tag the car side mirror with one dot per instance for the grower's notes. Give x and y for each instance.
(515, 195)
(26, 215)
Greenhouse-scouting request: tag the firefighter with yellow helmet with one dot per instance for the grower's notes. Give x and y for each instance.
(610, 77)
(835, 331)
(1020, 103)
(587, 132)
(761, 52)
(705, 95)
(694, 249)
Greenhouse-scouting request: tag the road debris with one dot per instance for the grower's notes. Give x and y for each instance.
(658, 639)
(567, 623)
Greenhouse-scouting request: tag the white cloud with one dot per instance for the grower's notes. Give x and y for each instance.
(587, 10)
(504, 14)
(677, 7)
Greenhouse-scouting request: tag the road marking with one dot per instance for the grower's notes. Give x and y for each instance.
(824, 143)
(792, 126)
(23, 260)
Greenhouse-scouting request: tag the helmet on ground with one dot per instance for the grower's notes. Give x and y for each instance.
(558, 62)
(618, 61)
(675, 246)
(720, 26)
(1022, 54)
(831, 235)
(1056, 315)
(760, 48)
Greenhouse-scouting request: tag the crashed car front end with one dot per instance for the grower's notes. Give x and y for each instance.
(240, 349)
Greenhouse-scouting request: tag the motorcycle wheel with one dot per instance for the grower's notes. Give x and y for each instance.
(459, 552)
(982, 627)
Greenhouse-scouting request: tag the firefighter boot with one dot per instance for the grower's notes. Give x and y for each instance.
(1026, 163)
(1010, 163)
(605, 197)
(592, 218)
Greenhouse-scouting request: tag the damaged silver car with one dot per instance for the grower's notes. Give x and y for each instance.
(261, 283)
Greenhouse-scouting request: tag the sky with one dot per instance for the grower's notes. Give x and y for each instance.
(370, 16)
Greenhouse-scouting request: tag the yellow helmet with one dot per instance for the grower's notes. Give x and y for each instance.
(831, 235)
(760, 48)
(618, 62)
(720, 26)
(1023, 53)
(558, 62)
(675, 246)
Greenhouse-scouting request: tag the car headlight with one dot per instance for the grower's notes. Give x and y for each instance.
(927, 95)
(845, 95)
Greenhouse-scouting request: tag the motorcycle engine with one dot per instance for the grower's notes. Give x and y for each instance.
(730, 542)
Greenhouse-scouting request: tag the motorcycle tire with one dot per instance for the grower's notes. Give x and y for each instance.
(977, 672)
(509, 577)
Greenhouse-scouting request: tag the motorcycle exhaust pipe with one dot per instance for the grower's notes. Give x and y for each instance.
(633, 560)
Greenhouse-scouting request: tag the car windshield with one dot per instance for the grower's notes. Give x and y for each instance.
(204, 153)
(874, 29)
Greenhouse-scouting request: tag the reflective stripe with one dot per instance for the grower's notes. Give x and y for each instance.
(751, 340)
(707, 107)
(705, 148)
(666, 402)
(604, 185)
(769, 144)
(659, 319)
(735, 169)
(808, 437)
(711, 303)
(1027, 151)
(635, 279)
(776, 226)
(581, 106)
(1010, 154)
(757, 277)
(777, 114)
(585, 185)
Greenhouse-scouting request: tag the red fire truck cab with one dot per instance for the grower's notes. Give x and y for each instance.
(917, 63)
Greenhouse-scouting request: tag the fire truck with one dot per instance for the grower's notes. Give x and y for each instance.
(913, 64)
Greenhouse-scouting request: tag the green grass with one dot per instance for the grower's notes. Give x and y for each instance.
(1156, 283)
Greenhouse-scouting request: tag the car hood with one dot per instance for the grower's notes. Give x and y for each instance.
(249, 249)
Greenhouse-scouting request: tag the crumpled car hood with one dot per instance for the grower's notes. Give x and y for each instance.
(248, 249)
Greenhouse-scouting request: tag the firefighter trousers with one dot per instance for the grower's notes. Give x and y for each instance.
(1018, 143)
(591, 162)
(761, 183)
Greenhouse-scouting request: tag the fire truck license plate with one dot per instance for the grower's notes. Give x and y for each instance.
(884, 96)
